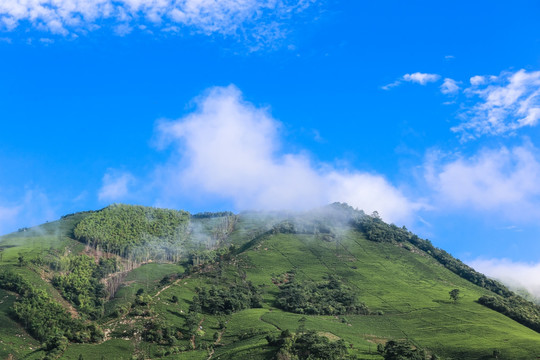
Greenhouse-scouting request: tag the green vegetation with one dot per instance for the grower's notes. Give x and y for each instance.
(307, 346)
(511, 305)
(401, 350)
(209, 215)
(44, 318)
(330, 297)
(236, 297)
(254, 286)
(515, 308)
(377, 230)
(138, 232)
(80, 283)
(454, 295)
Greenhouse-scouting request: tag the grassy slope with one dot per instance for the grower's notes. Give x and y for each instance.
(30, 243)
(411, 290)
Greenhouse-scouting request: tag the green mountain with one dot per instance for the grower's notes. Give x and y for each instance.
(133, 282)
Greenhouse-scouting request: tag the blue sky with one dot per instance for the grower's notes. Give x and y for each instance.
(425, 111)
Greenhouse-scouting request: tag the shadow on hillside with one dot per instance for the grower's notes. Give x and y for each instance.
(176, 313)
(31, 355)
(448, 302)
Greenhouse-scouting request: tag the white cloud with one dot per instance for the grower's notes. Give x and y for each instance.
(230, 149)
(449, 86)
(507, 103)
(505, 181)
(477, 80)
(115, 186)
(417, 77)
(421, 78)
(226, 17)
(513, 274)
(391, 85)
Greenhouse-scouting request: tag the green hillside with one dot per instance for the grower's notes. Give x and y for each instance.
(331, 283)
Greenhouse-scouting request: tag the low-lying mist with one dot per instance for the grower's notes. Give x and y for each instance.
(516, 275)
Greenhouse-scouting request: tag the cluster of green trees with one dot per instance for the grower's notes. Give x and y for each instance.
(51, 258)
(375, 229)
(218, 301)
(329, 297)
(44, 318)
(209, 215)
(80, 284)
(198, 258)
(516, 308)
(402, 350)
(158, 332)
(121, 229)
(307, 345)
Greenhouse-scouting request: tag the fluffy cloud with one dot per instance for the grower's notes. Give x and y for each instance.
(115, 186)
(226, 17)
(477, 80)
(230, 149)
(449, 86)
(421, 78)
(417, 77)
(506, 103)
(514, 274)
(505, 180)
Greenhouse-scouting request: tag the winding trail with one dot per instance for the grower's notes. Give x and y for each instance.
(211, 353)
(168, 286)
(193, 336)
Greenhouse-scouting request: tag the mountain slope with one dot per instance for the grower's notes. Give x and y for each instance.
(411, 289)
(239, 264)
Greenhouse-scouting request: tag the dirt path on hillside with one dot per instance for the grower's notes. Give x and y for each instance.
(219, 337)
(218, 340)
(168, 286)
(193, 336)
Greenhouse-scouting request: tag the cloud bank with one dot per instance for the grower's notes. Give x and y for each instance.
(502, 105)
(505, 180)
(514, 274)
(261, 19)
(230, 149)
